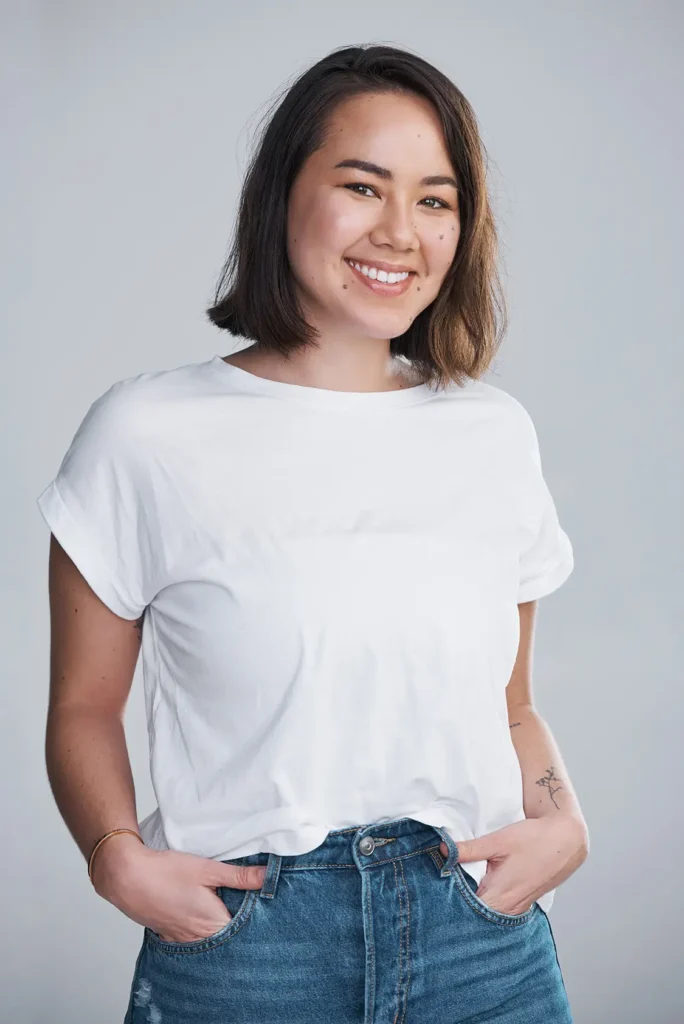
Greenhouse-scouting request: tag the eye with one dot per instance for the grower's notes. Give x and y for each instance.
(357, 184)
(442, 204)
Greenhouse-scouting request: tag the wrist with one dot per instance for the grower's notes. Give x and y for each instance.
(114, 857)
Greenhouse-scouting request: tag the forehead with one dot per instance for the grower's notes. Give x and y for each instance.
(392, 130)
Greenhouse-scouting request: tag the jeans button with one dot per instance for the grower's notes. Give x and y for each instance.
(367, 845)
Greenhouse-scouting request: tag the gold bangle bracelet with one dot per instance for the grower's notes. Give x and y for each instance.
(98, 844)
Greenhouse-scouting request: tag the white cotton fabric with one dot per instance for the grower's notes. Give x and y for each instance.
(331, 582)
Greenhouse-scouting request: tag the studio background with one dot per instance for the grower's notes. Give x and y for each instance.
(128, 127)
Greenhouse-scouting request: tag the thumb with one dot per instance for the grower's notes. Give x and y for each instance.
(481, 848)
(236, 876)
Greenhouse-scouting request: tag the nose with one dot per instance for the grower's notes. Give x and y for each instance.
(396, 226)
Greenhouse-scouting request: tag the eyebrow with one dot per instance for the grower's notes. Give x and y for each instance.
(383, 172)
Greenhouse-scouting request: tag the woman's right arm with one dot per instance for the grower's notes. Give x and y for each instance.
(93, 654)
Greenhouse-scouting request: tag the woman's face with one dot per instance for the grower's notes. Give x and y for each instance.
(382, 213)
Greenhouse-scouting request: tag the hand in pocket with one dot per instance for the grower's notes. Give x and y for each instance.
(171, 893)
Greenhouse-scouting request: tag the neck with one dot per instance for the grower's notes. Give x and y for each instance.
(367, 366)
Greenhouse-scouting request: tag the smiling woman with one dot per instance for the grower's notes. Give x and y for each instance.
(393, 207)
(336, 535)
(372, 156)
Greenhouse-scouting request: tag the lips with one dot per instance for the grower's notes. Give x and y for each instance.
(383, 287)
(390, 268)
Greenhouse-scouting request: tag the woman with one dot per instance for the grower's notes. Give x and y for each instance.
(330, 546)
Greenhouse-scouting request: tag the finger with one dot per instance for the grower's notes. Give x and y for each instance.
(503, 892)
(504, 902)
(489, 881)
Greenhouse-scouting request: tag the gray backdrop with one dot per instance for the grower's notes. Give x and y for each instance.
(128, 124)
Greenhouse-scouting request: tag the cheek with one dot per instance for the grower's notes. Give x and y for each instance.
(339, 227)
(439, 249)
(328, 222)
(320, 234)
(319, 258)
(441, 246)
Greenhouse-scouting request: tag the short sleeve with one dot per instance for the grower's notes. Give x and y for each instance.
(99, 506)
(546, 558)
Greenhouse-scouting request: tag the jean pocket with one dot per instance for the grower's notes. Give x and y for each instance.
(239, 902)
(467, 886)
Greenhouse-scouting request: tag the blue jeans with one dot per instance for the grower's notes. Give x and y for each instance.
(374, 926)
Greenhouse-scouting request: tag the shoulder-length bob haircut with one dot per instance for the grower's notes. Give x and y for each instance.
(457, 335)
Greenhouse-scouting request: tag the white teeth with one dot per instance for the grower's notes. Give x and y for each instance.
(381, 275)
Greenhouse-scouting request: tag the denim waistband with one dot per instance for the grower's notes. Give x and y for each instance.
(361, 846)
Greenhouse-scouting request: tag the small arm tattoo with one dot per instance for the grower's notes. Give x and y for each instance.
(547, 780)
(512, 725)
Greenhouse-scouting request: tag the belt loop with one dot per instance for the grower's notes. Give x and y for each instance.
(450, 862)
(270, 882)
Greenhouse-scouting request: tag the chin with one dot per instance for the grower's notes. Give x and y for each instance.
(382, 327)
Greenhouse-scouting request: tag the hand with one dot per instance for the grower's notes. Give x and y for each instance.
(525, 859)
(170, 892)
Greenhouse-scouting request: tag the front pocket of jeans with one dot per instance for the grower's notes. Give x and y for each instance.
(239, 902)
(467, 886)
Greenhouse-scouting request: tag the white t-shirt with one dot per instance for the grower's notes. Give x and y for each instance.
(331, 582)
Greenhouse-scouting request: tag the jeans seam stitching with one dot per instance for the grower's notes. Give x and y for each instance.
(401, 939)
(407, 987)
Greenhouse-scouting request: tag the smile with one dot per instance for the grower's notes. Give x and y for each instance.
(380, 281)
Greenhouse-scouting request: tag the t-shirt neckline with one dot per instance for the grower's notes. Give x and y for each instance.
(321, 397)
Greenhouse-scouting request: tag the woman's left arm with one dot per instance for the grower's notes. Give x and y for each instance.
(528, 858)
(547, 789)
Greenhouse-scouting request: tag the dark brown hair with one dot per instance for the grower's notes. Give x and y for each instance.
(458, 334)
